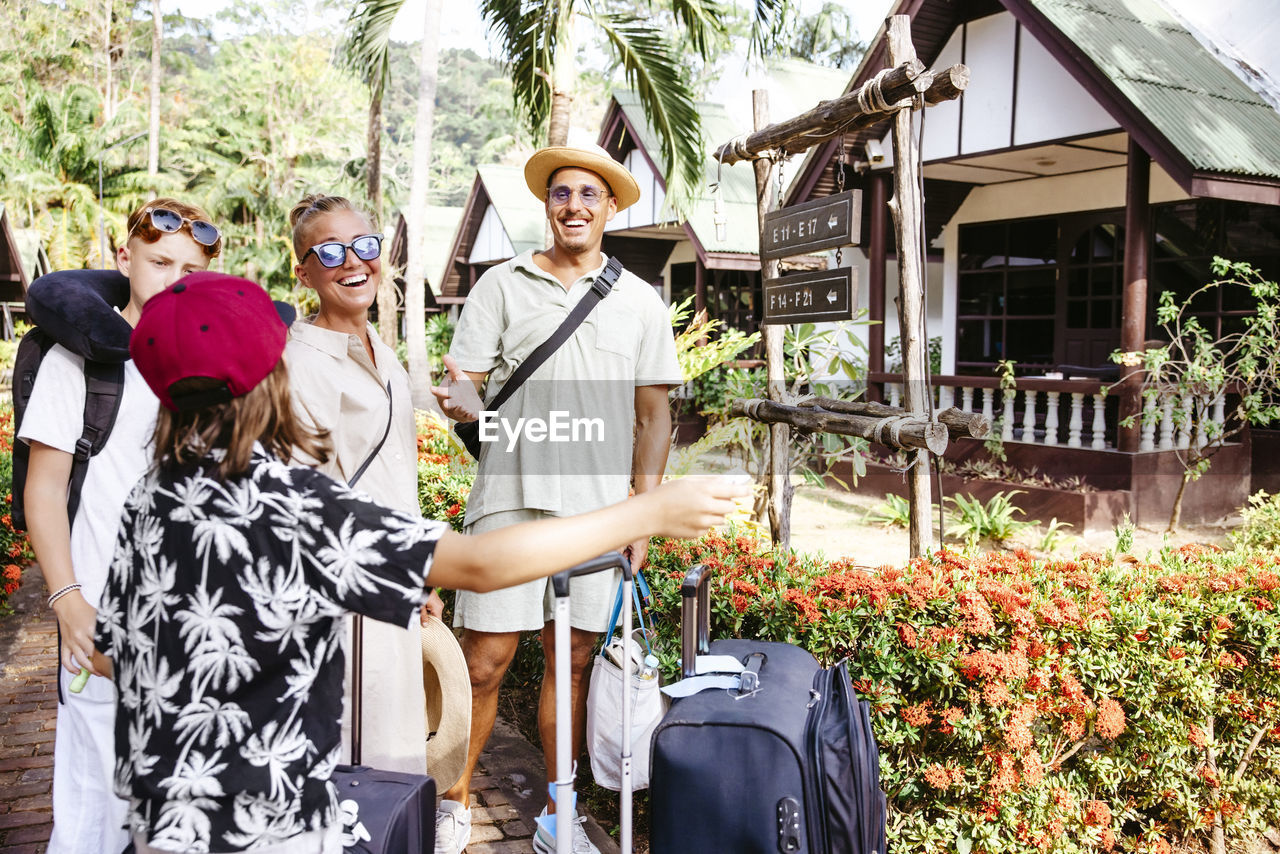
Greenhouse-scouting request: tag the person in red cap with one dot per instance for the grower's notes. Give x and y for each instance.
(224, 611)
(165, 240)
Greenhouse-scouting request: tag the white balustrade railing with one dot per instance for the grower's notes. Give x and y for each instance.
(1166, 424)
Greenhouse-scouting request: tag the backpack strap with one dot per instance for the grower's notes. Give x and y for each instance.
(103, 388)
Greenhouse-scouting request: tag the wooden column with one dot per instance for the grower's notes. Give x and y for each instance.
(699, 286)
(1133, 321)
(780, 488)
(877, 258)
(907, 208)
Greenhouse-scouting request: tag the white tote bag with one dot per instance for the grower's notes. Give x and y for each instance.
(604, 707)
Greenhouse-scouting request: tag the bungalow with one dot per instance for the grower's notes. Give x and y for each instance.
(1103, 153)
(690, 258)
(22, 259)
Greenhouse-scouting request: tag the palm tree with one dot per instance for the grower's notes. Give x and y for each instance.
(537, 44)
(51, 173)
(153, 125)
(366, 50)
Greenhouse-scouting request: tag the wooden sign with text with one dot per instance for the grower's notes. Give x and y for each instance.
(813, 226)
(821, 296)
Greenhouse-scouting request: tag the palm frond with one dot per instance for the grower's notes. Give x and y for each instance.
(703, 22)
(529, 37)
(656, 74)
(365, 47)
(769, 27)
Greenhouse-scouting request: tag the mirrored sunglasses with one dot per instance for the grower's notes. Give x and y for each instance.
(590, 195)
(167, 221)
(334, 253)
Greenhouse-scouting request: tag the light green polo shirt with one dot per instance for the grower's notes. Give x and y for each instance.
(563, 443)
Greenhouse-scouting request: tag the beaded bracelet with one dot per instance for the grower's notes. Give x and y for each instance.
(63, 592)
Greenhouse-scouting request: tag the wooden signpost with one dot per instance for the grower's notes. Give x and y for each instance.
(834, 222)
(822, 295)
(813, 226)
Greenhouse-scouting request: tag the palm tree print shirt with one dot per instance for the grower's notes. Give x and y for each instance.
(223, 615)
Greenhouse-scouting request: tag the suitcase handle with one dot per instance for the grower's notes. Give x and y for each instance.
(695, 618)
(608, 560)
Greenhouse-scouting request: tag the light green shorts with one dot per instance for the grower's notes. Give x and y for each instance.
(529, 606)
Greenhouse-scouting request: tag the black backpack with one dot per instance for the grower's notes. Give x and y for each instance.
(74, 308)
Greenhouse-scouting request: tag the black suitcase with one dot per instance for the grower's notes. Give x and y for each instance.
(787, 763)
(395, 811)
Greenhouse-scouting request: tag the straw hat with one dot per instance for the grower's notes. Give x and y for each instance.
(448, 689)
(545, 161)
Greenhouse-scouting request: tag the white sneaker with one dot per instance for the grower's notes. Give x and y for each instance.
(453, 828)
(545, 843)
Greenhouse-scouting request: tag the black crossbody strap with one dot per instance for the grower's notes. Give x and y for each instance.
(378, 447)
(599, 290)
(357, 625)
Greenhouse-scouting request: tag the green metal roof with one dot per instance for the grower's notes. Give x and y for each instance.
(794, 87)
(442, 227)
(1207, 113)
(523, 216)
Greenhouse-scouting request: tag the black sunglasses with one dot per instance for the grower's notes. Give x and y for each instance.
(334, 253)
(167, 221)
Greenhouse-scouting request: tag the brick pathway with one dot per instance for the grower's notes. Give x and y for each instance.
(506, 791)
(28, 704)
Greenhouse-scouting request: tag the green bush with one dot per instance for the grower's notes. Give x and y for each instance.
(1024, 705)
(1261, 525)
(974, 522)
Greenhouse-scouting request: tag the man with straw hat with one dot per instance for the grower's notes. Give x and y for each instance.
(610, 377)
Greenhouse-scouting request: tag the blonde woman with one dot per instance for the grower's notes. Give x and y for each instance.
(348, 381)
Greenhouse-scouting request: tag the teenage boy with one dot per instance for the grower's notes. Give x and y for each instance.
(615, 369)
(225, 608)
(166, 240)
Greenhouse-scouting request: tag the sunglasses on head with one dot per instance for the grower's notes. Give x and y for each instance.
(167, 221)
(334, 253)
(590, 195)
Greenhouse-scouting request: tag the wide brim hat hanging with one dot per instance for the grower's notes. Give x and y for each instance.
(448, 699)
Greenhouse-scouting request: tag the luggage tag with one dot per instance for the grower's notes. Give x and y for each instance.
(353, 830)
(714, 671)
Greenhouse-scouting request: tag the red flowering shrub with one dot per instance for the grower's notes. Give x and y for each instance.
(1024, 705)
(16, 550)
(445, 472)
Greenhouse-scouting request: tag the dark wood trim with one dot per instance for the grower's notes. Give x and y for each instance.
(657, 173)
(1260, 191)
(1065, 141)
(876, 278)
(1017, 66)
(977, 381)
(465, 236)
(1082, 68)
(699, 286)
(1133, 306)
(732, 261)
(698, 250)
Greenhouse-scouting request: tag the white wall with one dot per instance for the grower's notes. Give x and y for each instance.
(491, 240)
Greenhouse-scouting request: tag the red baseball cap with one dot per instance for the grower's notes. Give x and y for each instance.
(209, 325)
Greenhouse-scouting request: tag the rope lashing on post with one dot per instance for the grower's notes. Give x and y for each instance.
(870, 98)
(894, 424)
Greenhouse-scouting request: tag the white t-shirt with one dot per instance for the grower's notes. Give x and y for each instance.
(55, 417)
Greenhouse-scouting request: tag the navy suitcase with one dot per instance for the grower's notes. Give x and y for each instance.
(396, 811)
(787, 763)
